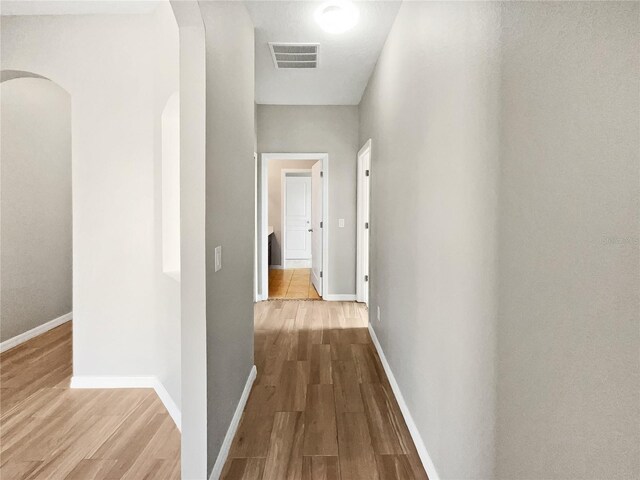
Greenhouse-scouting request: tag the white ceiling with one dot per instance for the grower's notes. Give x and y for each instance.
(346, 60)
(77, 7)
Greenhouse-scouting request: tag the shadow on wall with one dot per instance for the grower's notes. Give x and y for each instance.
(36, 209)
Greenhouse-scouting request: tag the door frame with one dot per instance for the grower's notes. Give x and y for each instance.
(256, 293)
(283, 213)
(263, 267)
(363, 198)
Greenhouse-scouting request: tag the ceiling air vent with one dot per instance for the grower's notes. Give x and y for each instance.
(295, 55)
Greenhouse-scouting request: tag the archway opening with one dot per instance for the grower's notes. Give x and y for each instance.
(35, 206)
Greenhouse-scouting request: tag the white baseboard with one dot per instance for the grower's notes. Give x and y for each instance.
(169, 404)
(34, 332)
(276, 267)
(413, 429)
(339, 297)
(132, 382)
(233, 427)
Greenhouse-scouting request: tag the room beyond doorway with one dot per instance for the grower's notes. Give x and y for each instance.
(293, 233)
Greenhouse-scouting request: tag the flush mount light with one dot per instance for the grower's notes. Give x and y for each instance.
(337, 16)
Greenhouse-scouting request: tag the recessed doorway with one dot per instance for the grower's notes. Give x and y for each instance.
(293, 232)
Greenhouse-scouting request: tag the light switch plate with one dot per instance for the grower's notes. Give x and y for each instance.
(218, 254)
(341, 222)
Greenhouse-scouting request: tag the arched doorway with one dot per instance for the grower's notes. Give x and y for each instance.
(35, 206)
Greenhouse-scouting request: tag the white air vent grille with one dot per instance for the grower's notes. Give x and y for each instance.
(295, 55)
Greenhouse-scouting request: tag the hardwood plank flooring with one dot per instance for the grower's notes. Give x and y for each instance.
(320, 468)
(48, 431)
(321, 407)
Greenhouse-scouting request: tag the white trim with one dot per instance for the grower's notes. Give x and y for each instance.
(340, 297)
(256, 294)
(34, 332)
(233, 426)
(264, 194)
(362, 235)
(276, 267)
(413, 429)
(283, 215)
(169, 404)
(107, 381)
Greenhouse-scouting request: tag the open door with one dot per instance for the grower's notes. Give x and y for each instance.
(364, 170)
(316, 226)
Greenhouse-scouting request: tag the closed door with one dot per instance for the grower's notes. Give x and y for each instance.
(316, 220)
(297, 217)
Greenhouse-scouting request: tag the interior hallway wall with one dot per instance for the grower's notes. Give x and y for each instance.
(275, 201)
(505, 233)
(35, 118)
(431, 109)
(229, 211)
(322, 129)
(569, 311)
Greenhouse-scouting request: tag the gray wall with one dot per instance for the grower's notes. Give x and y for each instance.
(505, 233)
(569, 331)
(323, 129)
(274, 176)
(229, 211)
(431, 112)
(35, 204)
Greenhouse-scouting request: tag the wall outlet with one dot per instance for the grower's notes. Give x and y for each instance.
(341, 222)
(378, 313)
(218, 255)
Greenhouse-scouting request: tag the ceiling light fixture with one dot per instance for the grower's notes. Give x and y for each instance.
(337, 16)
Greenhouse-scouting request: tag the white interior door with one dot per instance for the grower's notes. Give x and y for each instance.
(316, 220)
(297, 217)
(364, 171)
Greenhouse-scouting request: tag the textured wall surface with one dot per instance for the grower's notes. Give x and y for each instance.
(569, 314)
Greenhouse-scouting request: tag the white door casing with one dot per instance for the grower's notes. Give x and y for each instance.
(364, 189)
(297, 217)
(263, 213)
(316, 220)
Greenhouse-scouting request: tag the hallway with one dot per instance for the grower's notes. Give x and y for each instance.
(52, 432)
(321, 406)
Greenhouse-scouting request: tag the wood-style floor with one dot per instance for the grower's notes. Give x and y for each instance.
(48, 431)
(321, 407)
(292, 284)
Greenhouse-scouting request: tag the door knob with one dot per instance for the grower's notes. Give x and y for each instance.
(311, 229)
